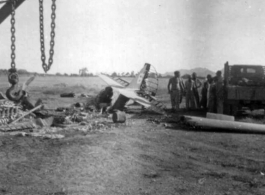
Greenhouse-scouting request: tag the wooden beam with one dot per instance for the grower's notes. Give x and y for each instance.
(26, 114)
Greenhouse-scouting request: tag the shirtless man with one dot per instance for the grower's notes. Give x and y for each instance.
(175, 89)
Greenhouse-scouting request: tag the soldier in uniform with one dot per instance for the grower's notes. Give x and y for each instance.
(175, 89)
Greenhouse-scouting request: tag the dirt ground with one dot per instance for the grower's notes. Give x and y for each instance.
(139, 157)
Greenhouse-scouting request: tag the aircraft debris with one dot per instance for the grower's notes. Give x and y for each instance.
(221, 125)
(42, 135)
(47, 122)
(220, 116)
(24, 115)
(9, 111)
(141, 89)
(67, 95)
(23, 126)
(84, 95)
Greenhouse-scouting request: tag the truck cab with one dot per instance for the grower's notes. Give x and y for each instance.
(244, 86)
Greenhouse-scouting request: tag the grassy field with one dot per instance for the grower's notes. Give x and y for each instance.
(45, 82)
(49, 88)
(71, 81)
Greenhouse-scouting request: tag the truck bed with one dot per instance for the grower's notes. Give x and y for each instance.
(247, 93)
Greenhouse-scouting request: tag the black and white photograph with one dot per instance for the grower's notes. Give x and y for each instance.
(132, 97)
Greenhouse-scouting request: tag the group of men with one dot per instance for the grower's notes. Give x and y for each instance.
(211, 98)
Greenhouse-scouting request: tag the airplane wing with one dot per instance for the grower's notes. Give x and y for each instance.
(110, 81)
(150, 103)
(132, 95)
(121, 81)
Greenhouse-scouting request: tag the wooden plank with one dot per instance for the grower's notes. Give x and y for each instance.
(17, 127)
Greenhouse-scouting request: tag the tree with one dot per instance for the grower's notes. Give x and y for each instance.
(83, 71)
(152, 75)
(58, 74)
(114, 74)
(132, 74)
(90, 74)
(159, 75)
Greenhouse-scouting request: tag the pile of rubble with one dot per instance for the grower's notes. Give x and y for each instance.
(52, 123)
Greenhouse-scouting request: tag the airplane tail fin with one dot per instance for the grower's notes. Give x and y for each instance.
(139, 80)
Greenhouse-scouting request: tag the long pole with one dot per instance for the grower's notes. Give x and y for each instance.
(32, 110)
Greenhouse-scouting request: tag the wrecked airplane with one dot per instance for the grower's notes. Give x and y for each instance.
(141, 89)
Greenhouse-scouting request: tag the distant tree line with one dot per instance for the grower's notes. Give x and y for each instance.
(84, 73)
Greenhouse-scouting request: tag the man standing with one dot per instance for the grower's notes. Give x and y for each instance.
(205, 92)
(212, 96)
(219, 92)
(197, 84)
(189, 93)
(175, 89)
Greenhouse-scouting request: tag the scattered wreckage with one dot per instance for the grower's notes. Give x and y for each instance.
(48, 123)
(19, 116)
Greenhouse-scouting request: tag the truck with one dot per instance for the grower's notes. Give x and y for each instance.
(244, 86)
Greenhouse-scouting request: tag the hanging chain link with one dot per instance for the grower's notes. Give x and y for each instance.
(13, 38)
(46, 66)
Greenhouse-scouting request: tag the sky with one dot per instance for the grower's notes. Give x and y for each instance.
(122, 35)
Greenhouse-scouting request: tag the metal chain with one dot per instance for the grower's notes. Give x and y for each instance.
(13, 38)
(46, 66)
